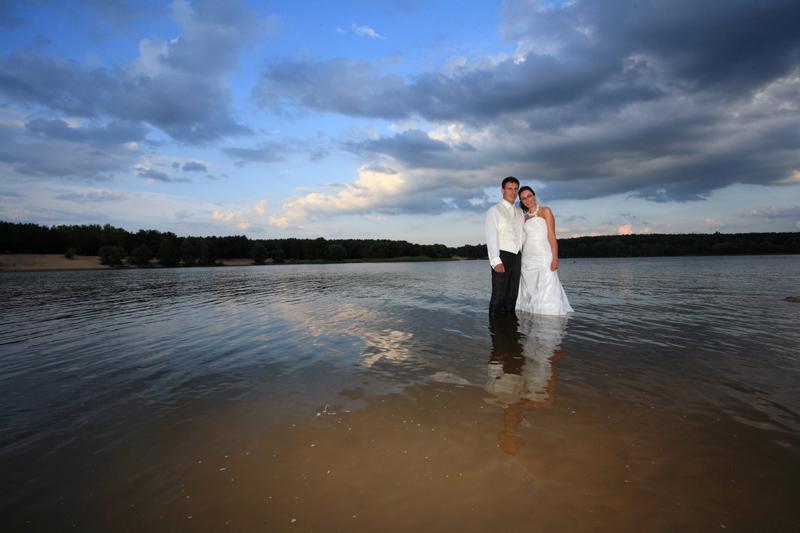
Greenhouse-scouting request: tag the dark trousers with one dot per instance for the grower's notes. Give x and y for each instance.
(505, 285)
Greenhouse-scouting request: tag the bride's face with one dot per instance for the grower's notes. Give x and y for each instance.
(528, 199)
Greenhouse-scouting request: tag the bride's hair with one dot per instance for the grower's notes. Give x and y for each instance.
(522, 190)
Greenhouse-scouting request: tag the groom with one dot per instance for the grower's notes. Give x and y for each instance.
(504, 223)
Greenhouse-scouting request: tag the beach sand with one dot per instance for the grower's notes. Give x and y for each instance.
(32, 262)
(35, 262)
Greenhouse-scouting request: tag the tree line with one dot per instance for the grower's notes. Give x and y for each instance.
(660, 244)
(114, 245)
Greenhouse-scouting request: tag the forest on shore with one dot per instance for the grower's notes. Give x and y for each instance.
(115, 245)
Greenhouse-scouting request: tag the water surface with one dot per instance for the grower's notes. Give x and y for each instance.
(368, 397)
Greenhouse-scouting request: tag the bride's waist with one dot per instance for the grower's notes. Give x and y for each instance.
(537, 248)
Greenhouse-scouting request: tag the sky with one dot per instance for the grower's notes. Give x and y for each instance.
(398, 119)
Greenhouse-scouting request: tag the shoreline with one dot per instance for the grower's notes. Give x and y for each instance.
(57, 262)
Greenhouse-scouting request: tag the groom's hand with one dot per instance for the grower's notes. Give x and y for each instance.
(499, 268)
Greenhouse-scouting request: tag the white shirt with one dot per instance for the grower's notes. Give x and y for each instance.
(504, 224)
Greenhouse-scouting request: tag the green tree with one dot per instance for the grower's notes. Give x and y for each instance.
(70, 253)
(141, 255)
(259, 253)
(111, 255)
(208, 253)
(336, 252)
(168, 253)
(189, 252)
(278, 255)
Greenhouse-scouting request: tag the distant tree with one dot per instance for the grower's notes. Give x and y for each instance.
(70, 253)
(258, 253)
(168, 253)
(278, 255)
(208, 255)
(141, 255)
(336, 252)
(189, 252)
(111, 255)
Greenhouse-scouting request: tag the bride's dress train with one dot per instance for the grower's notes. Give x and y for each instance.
(540, 290)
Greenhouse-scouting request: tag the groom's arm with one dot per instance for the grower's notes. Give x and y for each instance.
(492, 242)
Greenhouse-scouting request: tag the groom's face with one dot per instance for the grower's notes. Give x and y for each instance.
(510, 192)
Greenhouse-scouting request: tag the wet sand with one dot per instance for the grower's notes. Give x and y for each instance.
(431, 459)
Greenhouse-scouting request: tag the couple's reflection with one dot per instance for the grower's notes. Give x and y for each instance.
(522, 374)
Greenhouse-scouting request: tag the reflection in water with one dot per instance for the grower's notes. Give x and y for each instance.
(521, 370)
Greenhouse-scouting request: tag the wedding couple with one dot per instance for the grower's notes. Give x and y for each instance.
(523, 253)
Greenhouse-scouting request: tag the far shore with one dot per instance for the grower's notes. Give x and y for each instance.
(45, 262)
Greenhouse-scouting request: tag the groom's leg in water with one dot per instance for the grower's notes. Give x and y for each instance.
(499, 290)
(515, 261)
(505, 285)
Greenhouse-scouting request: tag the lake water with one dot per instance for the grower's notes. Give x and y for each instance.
(379, 397)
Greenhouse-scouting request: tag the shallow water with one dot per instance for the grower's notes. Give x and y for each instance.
(370, 397)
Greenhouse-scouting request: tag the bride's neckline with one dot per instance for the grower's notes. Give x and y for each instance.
(535, 212)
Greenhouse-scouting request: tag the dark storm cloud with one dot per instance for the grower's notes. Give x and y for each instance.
(662, 100)
(178, 87)
(187, 107)
(194, 166)
(35, 154)
(412, 147)
(115, 132)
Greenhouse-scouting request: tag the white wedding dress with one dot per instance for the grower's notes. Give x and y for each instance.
(540, 290)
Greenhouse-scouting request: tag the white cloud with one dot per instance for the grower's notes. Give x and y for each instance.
(625, 229)
(242, 218)
(370, 191)
(366, 31)
(791, 179)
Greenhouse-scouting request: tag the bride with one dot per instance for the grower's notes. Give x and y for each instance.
(540, 290)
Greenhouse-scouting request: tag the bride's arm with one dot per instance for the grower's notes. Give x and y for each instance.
(551, 236)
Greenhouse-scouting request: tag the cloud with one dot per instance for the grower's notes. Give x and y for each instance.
(75, 153)
(366, 31)
(665, 103)
(178, 86)
(269, 152)
(625, 228)
(365, 195)
(92, 196)
(771, 212)
(242, 218)
(152, 174)
(414, 148)
(193, 166)
(113, 132)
